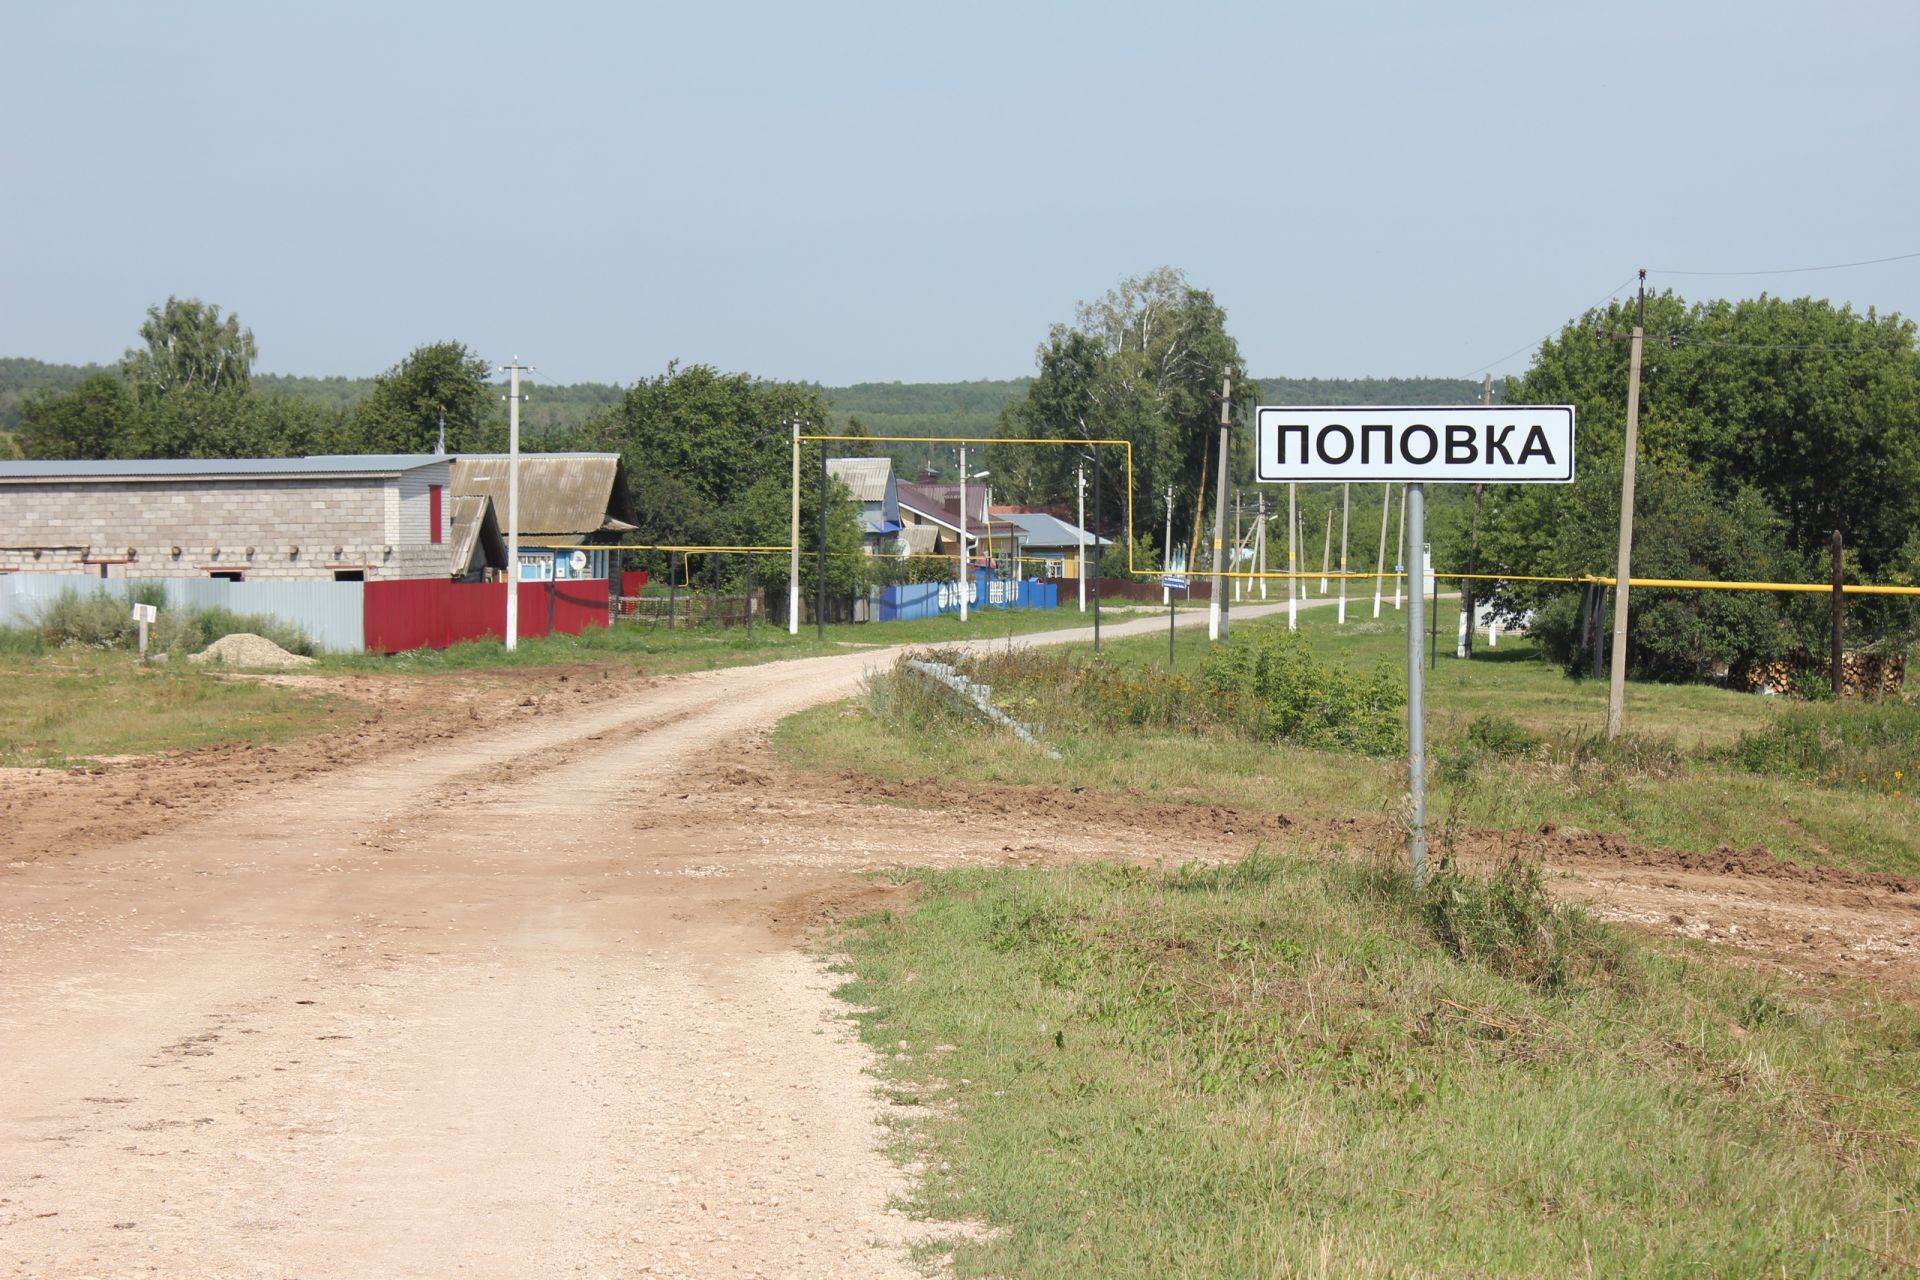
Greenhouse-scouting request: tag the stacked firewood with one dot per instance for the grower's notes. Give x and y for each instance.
(1862, 675)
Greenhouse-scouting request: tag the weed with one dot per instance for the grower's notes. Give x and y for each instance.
(1509, 923)
(1501, 736)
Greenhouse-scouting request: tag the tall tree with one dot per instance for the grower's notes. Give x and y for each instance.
(1144, 364)
(189, 347)
(87, 422)
(403, 412)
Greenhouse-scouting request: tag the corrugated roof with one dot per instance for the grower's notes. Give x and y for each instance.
(332, 464)
(1042, 530)
(865, 478)
(564, 497)
(919, 538)
(474, 524)
(921, 499)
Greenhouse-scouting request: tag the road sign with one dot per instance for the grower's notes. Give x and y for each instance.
(1474, 444)
(1173, 582)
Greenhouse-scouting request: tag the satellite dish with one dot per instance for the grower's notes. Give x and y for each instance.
(578, 560)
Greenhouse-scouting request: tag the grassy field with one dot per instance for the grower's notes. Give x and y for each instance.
(1302, 1067)
(76, 706)
(1677, 781)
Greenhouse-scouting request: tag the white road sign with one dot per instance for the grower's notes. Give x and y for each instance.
(1495, 444)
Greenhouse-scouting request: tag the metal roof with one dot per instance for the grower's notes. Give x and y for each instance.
(320, 465)
(921, 500)
(1042, 530)
(563, 496)
(866, 478)
(475, 527)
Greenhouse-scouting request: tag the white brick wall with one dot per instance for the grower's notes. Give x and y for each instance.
(246, 524)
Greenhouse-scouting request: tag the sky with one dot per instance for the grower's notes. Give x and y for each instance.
(839, 192)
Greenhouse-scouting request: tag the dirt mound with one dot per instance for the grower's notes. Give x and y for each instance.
(244, 649)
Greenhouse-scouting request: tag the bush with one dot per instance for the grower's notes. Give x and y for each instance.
(1501, 736)
(103, 620)
(1270, 682)
(1873, 745)
(21, 642)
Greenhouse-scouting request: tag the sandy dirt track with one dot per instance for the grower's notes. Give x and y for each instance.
(525, 1000)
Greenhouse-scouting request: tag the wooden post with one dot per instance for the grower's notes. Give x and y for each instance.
(1839, 620)
(1617, 674)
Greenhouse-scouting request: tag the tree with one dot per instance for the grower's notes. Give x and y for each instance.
(87, 422)
(403, 412)
(189, 347)
(1765, 424)
(1143, 364)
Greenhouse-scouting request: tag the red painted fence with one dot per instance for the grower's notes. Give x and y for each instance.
(432, 613)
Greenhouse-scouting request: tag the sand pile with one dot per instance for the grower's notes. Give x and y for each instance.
(244, 649)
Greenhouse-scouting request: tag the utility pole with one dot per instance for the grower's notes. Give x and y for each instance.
(1839, 620)
(1326, 550)
(793, 551)
(820, 557)
(1080, 561)
(966, 578)
(1293, 578)
(1166, 554)
(1380, 560)
(1097, 549)
(1400, 560)
(1261, 525)
(1217, 607)
(1416, 709)
(1617, 677)
(1346, 515)
(1239, 536)
(1469, 585)
(513, 372)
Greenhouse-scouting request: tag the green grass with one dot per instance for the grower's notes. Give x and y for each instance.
(1675, 782)
(74, 707)
(1280, 1068)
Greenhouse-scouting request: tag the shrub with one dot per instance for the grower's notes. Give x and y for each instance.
(1272, 684)
(1501, 736)
(21, 642)
(103, 620)
(1508, 923)
(1875, 745)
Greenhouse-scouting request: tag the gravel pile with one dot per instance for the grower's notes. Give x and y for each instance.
(244, 649)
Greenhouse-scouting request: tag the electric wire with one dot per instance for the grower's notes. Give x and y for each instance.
(1608, 296)
(1786, 271)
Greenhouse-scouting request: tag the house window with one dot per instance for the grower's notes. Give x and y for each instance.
(433, 512)
(349, 575)
(228, 575)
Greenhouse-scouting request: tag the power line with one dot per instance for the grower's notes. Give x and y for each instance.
(1608, 296)
(1787, 271)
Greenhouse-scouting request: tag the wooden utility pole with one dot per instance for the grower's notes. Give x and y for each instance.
(1839, 619)
(1217, 608)
(1468, 586)
(1617, 678)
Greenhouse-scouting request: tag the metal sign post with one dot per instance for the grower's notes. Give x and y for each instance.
(1472, 444)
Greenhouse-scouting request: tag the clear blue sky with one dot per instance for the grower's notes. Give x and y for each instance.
(872, 192)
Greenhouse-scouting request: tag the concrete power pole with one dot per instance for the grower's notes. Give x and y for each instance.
(793, 554)
(1400, 560)
(1380, 560)
(1080, 561)
(1293, 576)
(1617, 677)
(1346, 516)
(1239, 538)
(1216, 608)
(1166, 552)
(513, 372)
(1469, 587)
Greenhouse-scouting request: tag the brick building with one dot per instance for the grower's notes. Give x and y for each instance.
(345, 517)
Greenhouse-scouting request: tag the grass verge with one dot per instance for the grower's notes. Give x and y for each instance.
(1515, 745)
(1302, 1067)
(76, 706)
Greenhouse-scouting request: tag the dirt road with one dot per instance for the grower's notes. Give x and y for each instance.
(527, 1001)
(520, 1003)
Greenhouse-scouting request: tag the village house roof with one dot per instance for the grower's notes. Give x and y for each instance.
(865, 478)
(476, 528)
(316, 467)
(923, 501)
(1039, 529)
(564, 497)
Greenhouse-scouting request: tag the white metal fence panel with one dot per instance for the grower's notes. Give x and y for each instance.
(332, 614)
